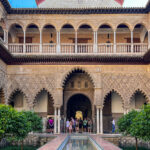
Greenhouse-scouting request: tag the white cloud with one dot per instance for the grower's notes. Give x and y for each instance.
(135, 3)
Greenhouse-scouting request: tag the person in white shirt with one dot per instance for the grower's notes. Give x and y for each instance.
(113, 126)
(67, 126)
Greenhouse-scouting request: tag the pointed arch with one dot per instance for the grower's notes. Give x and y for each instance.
(77, 69)
(143, 98)
(43, 103)
(112, 110)
(115, 91)
(39, 91)
(22, 103)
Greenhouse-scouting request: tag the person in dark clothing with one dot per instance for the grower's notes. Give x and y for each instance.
(80, 125)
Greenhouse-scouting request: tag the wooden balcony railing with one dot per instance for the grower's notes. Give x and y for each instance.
(84, 48)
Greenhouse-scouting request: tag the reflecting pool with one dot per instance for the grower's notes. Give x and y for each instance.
(79, 144)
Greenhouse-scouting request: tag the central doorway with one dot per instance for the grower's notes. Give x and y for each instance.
(79, 102)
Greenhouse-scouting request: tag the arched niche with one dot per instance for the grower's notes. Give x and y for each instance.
(18, 101)
(138, 100)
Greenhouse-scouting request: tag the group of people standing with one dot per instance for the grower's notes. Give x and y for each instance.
(78, 125)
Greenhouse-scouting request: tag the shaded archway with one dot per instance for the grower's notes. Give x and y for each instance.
(138, 100)
(79, 102)
(113, 109)
(18, 101)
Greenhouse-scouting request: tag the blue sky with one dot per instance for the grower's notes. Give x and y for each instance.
(32, 4)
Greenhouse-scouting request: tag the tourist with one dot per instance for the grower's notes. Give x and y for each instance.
(80, 125)
(51, 125)
(70, 126)
(67, 126)
(62, 125)
(113, 126)
(89, 126)
(73, 124)
(85, 125)
(77, 125)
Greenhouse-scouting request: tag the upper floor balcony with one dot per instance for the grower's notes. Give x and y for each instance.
(81, 41)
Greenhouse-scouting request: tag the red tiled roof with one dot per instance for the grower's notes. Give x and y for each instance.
(39, 1)
(120, 1)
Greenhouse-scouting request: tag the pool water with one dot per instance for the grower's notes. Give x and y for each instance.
(79, 144)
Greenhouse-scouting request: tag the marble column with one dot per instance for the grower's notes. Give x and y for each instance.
(97, 120)
(58, 120)
(101, 121)
(76, 42)
(40, 40)
(55, 120)
(95, 42)
(115, 47)
(24, 41)
(131, 41)
(58, 41)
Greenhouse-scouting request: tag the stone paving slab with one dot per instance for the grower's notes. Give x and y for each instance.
(55, 143)
(104, 144)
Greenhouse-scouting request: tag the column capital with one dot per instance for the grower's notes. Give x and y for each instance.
(58, 30)
(95, 30)
(99, 107)
(76, 29)
(57, 106)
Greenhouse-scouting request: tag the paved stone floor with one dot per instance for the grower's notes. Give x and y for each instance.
(55, 143)
(104, 144)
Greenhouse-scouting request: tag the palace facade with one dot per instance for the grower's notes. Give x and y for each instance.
(60, 61)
